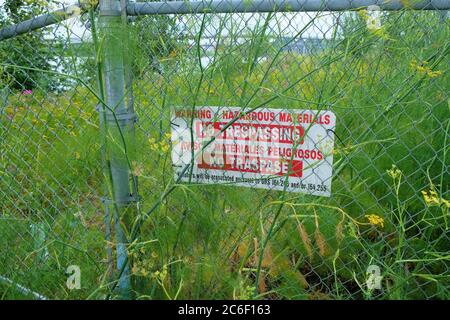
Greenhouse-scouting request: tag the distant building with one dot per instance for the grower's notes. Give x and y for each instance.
(304, 46)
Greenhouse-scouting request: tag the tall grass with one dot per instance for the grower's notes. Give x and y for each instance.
(388, 90)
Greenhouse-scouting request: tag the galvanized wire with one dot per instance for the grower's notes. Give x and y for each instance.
(384, 75)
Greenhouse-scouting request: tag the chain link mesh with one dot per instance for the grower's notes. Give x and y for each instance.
(385, 76)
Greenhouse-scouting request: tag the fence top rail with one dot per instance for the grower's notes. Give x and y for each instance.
(41, 21)
(224, 6)
(242, 6)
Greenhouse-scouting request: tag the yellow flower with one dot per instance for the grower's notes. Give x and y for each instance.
(433, 199)
(155, 274)
(86, 115)
(394, 172)
(93, 3)
(160, 146)
(375, 220)
(363, 14)
(422, 68)
(144, 272)
(77, 155)
(434, 74)
(445, 202)
(164, 147)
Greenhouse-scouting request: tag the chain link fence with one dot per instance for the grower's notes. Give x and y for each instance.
(224, 150)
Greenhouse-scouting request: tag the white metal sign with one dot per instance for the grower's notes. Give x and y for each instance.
(265, 148)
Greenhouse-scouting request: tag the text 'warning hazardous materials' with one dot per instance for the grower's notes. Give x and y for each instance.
(267, 148)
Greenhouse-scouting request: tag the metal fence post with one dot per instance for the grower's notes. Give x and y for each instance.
(118, 122)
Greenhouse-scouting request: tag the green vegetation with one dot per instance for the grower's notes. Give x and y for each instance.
(28, 50)
(389, 205)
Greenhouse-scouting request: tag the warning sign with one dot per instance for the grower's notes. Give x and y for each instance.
(267, 148)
